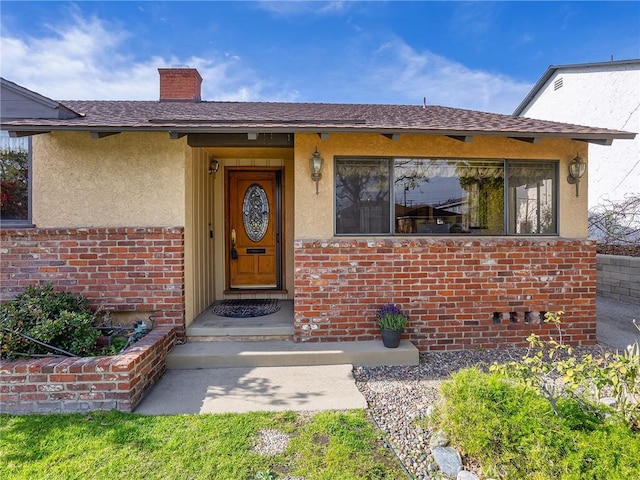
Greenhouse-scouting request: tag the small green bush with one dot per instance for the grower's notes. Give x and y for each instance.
(513, 431)
(551, 368)
(58, 318)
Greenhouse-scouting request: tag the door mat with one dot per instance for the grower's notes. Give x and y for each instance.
(246, 308)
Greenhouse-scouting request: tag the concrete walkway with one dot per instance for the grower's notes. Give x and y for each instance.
(221, 390)
(615, 323)
(312, 388)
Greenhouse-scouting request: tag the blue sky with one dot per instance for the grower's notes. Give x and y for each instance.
(476, 55)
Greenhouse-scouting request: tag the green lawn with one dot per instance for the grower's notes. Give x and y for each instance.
(328, 445)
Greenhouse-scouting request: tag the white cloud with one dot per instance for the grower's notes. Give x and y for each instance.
(87, 59)
(301, 7)
(442, 81)
(92, 59)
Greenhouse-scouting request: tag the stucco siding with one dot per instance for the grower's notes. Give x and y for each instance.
(314, 213)
(598, 96)
(129, 179)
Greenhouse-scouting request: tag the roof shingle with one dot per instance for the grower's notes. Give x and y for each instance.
(291, 117)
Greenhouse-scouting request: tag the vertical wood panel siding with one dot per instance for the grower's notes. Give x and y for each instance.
(199, 247)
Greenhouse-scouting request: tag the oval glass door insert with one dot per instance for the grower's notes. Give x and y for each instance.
(255, 212)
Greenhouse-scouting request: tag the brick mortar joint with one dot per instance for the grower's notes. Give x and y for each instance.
(28, 232)
(455, 242)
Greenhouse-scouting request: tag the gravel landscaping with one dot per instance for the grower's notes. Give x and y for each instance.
(398, 397)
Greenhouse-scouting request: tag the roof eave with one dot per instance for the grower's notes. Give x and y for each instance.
(603, 138)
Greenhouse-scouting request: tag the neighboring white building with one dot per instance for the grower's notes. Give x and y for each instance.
(605, 94)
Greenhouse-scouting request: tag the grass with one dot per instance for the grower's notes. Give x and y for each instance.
(513, 432)
(112, 445)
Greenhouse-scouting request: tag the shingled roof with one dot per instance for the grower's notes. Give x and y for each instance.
(278, 117)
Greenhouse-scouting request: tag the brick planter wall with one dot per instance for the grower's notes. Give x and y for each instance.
(459, 293)
(619, 278)
(122, 269)
(61, 385)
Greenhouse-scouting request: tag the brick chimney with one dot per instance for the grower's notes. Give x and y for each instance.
(180, 85)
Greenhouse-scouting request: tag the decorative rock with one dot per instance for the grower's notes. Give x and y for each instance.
(430, 410)
(608, 401)
(439, 439)
(448, 459)
(464, 475)
(398, 395)
(271, 442)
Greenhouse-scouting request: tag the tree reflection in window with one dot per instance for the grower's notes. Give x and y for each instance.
(362, 196)
(14, 178)
(532, 201)
(446, 196)
(443, 196)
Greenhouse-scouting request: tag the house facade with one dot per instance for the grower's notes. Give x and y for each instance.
(606, 94)
(464, 219)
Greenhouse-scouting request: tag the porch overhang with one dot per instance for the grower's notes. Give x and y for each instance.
(282, 135)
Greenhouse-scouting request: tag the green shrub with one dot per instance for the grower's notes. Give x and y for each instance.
(551, 368)
(513, 431)
(58, 318)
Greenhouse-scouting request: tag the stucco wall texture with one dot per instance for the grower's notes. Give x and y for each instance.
(139, 179)
(129, 179)
(607, 96)
(314, 213)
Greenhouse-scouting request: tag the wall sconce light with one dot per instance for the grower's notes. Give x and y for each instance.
(577, 169)
(214, 166)
(315, 163)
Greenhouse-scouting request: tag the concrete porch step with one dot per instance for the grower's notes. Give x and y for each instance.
(239, 333)
(284, 353)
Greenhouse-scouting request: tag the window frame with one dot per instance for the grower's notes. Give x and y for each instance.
(507, 208)
(26, 223)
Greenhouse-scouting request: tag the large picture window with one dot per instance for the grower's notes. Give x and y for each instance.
(444, 196)
(14, 180)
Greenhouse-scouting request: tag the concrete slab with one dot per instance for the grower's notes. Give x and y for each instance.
(239, 390)
(287, 353)
(277, 324)
(615, 323)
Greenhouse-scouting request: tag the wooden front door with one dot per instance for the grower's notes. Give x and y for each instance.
(254, 229)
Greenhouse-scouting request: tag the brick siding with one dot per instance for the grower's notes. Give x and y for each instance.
(121, 269)
(59, 385)
(458, 293)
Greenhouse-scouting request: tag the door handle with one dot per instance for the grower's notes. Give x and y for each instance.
(234, 252)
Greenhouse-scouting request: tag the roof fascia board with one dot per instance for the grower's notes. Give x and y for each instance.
(542, 81)
(26, 93)
(604, 141)
(21, 129)
(552, 69)
(36, 97)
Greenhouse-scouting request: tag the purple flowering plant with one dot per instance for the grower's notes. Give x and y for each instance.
(390, 317)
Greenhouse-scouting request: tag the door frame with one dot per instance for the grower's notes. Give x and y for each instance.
(280, 234)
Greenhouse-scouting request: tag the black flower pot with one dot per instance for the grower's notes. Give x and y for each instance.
(391, 338)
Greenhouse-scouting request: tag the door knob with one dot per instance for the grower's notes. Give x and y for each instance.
(234, 252)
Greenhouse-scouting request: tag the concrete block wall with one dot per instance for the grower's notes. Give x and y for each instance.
(459, 293)
(619, 278)
(63, 385)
